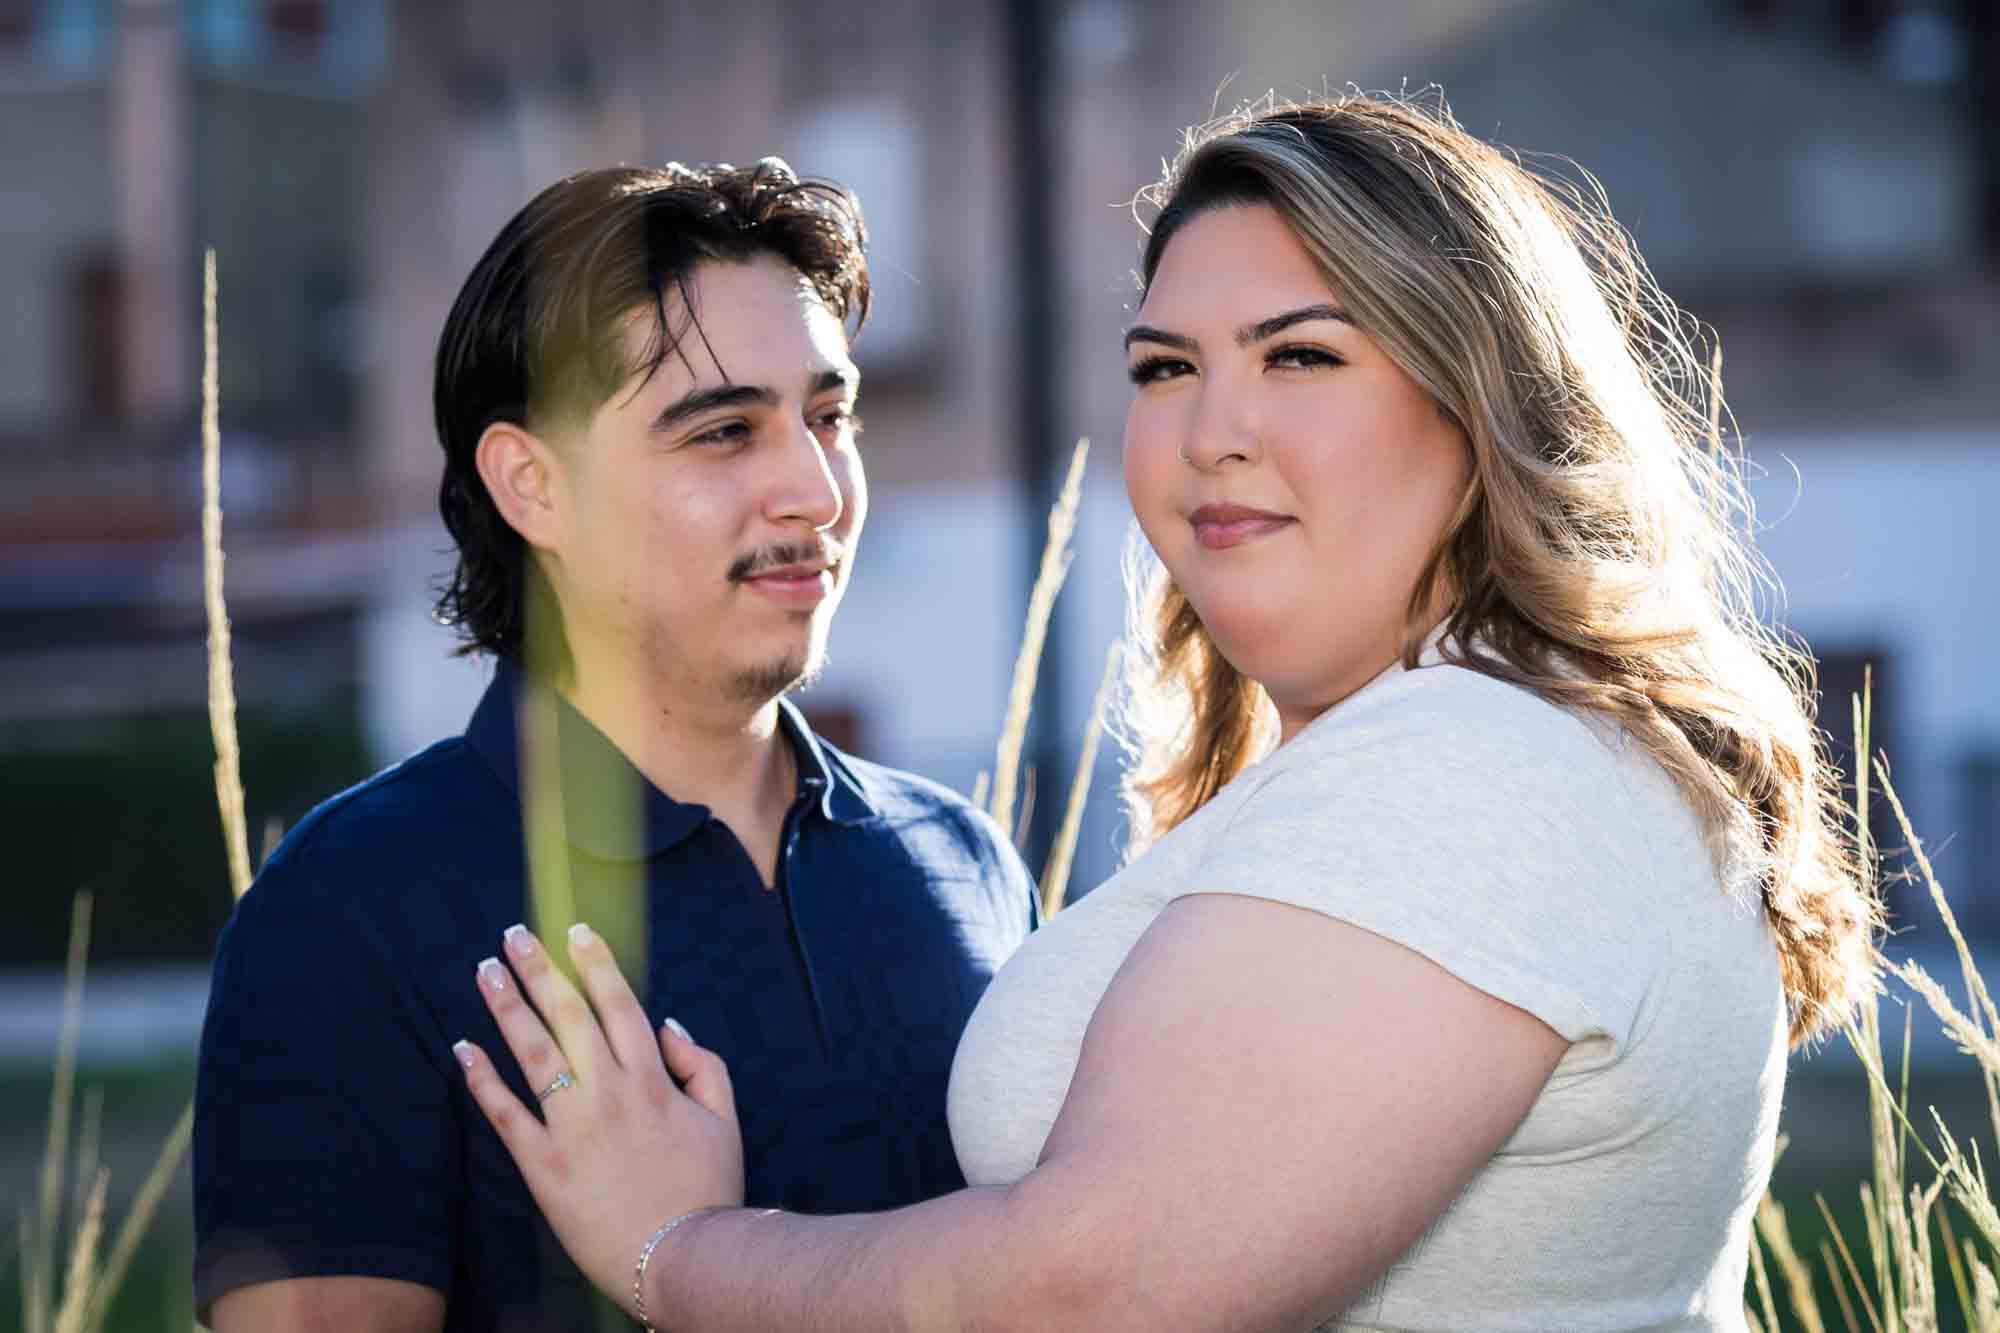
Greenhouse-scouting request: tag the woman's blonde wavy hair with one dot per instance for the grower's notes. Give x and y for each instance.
(1601, 556)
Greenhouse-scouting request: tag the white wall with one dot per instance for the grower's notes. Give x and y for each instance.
(1894, 537)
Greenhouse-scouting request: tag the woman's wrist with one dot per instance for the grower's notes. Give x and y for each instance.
(653, 1270)
(641, 1307)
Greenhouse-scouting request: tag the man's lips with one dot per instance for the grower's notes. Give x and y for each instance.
(1219, 526)
(799, 571)
(798, 585)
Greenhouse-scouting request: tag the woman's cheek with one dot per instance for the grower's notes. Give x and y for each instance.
(1147, 461)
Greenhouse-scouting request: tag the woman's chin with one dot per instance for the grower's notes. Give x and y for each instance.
(1258, 651)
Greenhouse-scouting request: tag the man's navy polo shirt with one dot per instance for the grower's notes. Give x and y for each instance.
(333, 1134)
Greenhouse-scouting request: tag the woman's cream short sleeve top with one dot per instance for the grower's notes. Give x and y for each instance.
(1543, 858)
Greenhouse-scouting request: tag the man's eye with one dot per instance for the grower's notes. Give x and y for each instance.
(1154, 369)
(727, 432)
(839, 418)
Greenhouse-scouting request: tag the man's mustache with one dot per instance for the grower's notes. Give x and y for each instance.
(750, 565)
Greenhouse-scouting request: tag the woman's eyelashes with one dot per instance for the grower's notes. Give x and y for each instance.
(1300, 356)
(1152, 369)
(1293, 356)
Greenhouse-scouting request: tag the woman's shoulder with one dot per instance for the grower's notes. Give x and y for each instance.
(1462, 717)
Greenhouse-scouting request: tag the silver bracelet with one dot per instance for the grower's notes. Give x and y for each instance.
(645, 1256)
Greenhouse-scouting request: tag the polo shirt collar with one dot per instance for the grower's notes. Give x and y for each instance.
(842, 799)
(599, 781)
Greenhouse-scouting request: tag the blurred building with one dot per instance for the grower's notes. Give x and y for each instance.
(1817, 178)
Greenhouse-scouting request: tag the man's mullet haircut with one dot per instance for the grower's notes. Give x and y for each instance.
(536, 333)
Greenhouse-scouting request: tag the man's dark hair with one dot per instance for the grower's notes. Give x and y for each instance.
(537, 333)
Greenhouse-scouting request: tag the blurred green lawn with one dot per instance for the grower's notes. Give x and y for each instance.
(1825, 1116)
(141, 1104)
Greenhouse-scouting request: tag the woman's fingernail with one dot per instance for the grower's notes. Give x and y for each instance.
(580, 936)
(679, 1031)
(463, 1050)
(519, 942)
(492, 975)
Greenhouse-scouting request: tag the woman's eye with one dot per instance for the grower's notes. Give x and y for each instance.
(1303, 358)
(1154, 369)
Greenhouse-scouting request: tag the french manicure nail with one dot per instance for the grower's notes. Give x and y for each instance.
(463, 1050)
(579, 935)
(519, 942)
(492, 974)
(679, 1031)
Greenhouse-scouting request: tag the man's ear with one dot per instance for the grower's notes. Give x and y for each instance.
(521, 473)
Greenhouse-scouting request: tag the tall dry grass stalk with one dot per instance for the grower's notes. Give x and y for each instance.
(80, 1301)
(1000, 791)
(1049, 578)
(544, 824)
(1055, 874)
(221, 674)
(1896, 1289)
(1899, 1291)
(91, 1277)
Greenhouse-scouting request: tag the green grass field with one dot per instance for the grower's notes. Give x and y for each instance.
(140, 1104)
(1825, 1117)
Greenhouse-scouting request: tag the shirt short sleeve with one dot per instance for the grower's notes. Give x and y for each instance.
(324, 1140)
(1471, 822)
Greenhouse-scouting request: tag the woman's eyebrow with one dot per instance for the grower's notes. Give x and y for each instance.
(1146, 333)
(1248, 334)
(1265, 328)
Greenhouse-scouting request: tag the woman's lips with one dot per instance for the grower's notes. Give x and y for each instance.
(1219, 527)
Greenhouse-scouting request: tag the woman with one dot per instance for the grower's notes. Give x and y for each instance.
(1492, 862)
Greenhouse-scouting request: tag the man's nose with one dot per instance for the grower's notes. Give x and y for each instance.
(806, 488)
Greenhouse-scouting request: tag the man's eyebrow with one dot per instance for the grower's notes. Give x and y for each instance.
(697, 401)
(1265, 328)
(840, 377)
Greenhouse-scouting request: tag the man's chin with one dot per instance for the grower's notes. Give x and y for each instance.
(761, 684)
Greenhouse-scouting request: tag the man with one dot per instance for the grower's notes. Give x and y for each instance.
(647, 410)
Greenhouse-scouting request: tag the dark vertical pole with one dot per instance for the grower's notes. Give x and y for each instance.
(1031, 60)
(1982, 42)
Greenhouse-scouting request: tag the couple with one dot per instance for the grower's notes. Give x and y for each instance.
(1486, 862)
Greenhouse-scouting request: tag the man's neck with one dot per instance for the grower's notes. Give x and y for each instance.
(729, 755)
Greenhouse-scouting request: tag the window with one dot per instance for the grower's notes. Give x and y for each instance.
(96, 354)
(308, 45)
(1977, 895)
(874, 146)
(64, 38)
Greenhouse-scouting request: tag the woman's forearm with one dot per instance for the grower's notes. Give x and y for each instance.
(967, 1260)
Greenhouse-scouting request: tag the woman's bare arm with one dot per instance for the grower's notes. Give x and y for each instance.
(1270, 1108)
